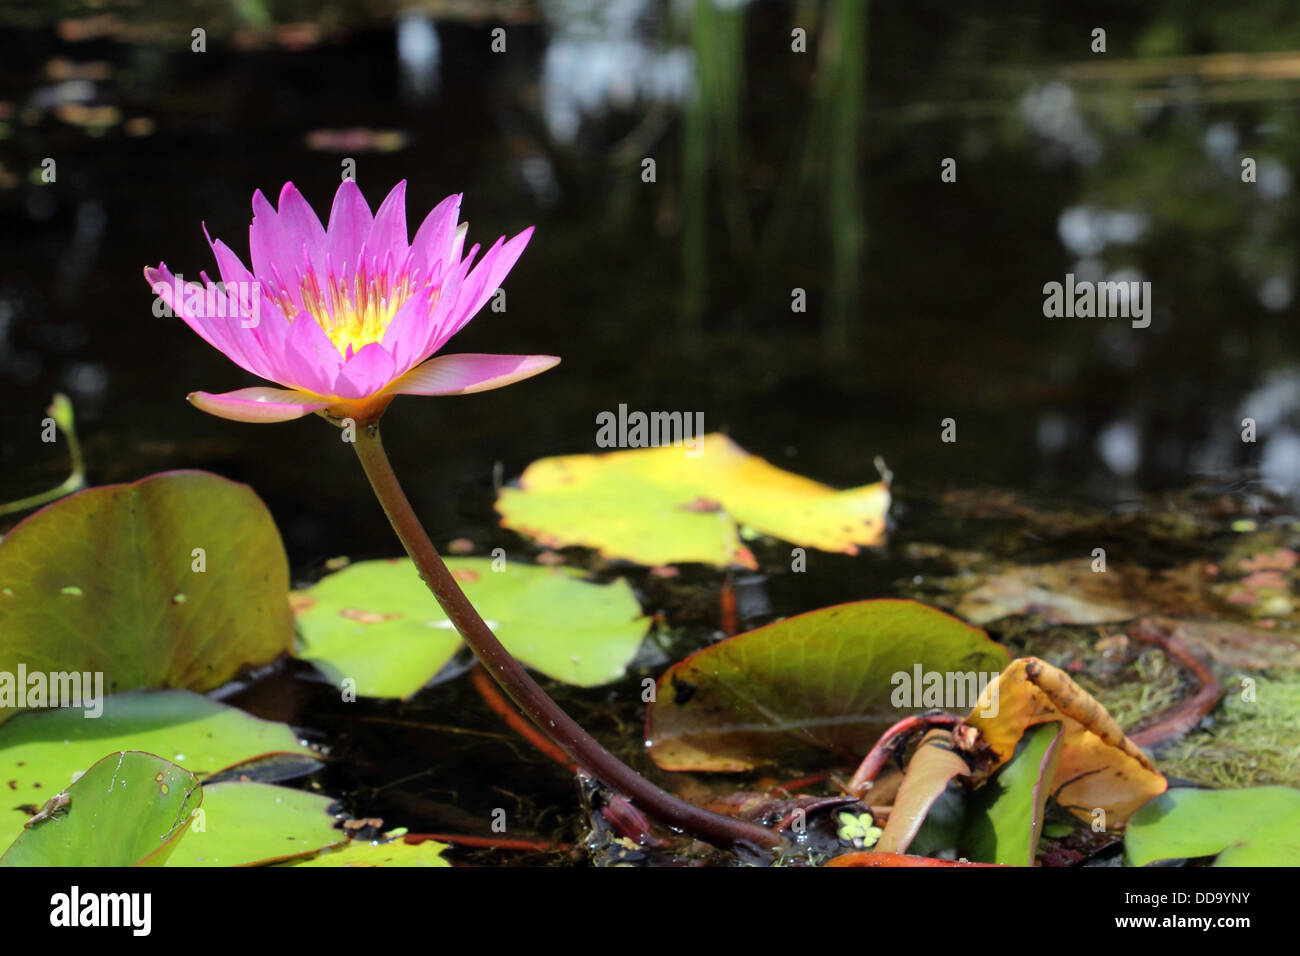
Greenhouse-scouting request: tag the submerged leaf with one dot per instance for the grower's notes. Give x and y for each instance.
(1065, 593)
(667, 505)
(828, 679)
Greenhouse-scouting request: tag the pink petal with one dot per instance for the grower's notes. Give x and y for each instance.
(496, 263)
(222, 333)
(444, 311)
(469, 372)
(388, 232)
(349, 227)
(231, 266)
(258, 404)
(276, 248)
(366, 373)
(432, 243)
(310, 360)
(408, 332)
(302, 226)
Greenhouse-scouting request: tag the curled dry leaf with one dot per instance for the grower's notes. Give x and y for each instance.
(1100, 769)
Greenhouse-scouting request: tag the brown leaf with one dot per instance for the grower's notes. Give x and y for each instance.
(1100, 767)
(929, 771)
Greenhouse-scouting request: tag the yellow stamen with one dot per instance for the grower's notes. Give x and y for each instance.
(356, 310)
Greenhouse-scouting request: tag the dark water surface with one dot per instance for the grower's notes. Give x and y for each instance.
(817, 171)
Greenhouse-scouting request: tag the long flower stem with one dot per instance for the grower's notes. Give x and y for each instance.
(581, 747)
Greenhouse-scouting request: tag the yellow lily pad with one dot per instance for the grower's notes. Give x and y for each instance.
(676, 504)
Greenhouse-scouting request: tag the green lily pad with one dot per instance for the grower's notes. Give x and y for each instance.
(394, 852)
(1006, 815)
(129, 809)
(40, 751)
(376, 623)
(832, 679)
(106, 581)
(1259, 826)
(247, 824)
(674, 504)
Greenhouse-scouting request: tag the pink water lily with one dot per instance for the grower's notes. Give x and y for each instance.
(344, 316)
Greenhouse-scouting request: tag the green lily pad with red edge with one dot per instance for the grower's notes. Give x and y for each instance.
(40, 751)
(825, 680)
(1005, 819)
(394, 851)
(1259, 826)
(129, 809)
(177, 580)
(376, 623)
(677, 504)
(248, 824)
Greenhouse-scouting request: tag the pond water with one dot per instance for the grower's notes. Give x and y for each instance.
(781, 179)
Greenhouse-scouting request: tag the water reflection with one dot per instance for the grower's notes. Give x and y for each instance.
(419, 55)
(776, 171)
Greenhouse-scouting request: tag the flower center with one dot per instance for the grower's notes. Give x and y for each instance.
(355, 310)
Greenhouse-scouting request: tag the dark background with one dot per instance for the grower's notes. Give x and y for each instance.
(775, 170)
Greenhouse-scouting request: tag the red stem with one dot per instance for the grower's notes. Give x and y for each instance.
(880, 753)
(581, 747)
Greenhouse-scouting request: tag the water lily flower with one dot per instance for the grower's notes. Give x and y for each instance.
(345, 316)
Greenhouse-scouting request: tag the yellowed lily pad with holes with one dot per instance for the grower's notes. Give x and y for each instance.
(677, 504)
(375, 623)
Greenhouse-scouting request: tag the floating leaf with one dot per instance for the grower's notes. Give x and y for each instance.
(377, 623)
(1100, 768)
(129, 809)
(667, 505)
(394, 852)
(1006, 815)
(827, 679)
(105, 581)
(40, 751)
(1255, 827)
(932, 767)
(246, 824)
(874, 858)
